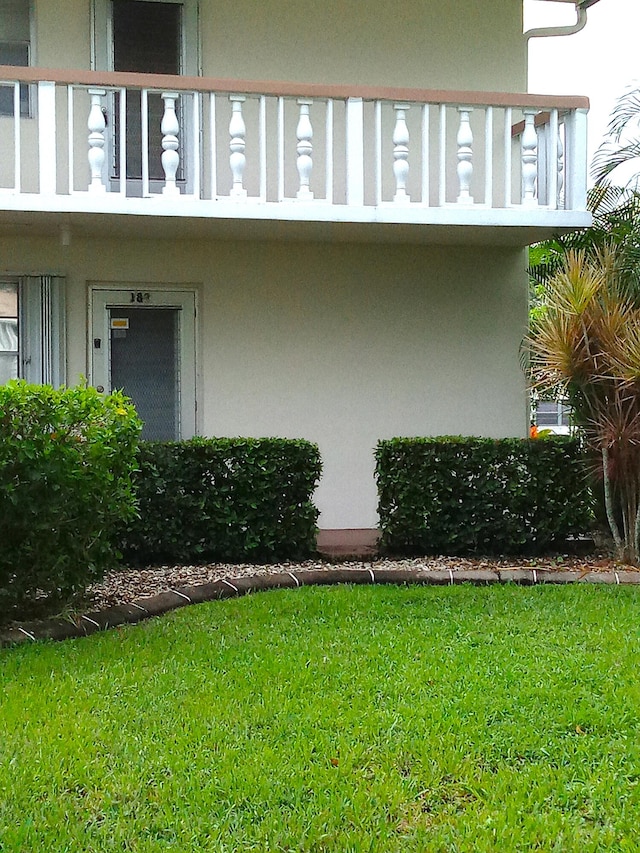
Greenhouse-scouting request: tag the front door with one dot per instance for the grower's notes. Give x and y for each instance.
(143, 342)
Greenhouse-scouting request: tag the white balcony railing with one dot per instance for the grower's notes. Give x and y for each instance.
(114, 138)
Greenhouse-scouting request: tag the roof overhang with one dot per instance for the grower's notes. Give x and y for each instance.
(582, 4)
(580, 7)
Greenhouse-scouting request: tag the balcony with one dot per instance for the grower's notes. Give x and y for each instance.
(197, 156)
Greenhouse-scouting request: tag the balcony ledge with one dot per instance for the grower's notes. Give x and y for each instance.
(294, 161)
(188, 218)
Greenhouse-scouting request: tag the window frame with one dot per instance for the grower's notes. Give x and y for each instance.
(26, 90)
(557, 415)
(102, 36)
(41, 328)
(14, 282)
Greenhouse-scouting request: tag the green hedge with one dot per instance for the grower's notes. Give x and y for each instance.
(224, 499)
(66, 458)
(458, 495)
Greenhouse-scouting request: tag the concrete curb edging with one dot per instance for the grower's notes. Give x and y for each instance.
(163, 602)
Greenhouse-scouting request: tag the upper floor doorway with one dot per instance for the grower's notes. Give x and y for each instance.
(146, 37)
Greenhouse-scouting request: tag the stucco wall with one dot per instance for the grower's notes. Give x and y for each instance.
(341, 344)
(423, 43)
(63, 33)
(417, 43)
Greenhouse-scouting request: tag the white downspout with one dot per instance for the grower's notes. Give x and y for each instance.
(568, 30)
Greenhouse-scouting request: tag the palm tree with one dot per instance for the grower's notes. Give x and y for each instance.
(585, 345)
(584, 337)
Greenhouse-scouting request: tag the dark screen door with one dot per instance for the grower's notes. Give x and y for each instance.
(146, 39)
(145, 365)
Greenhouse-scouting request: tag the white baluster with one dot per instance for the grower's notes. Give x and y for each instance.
(280, 148)
(304, 133)
(70, 138)
(488, 157)
(355, 151)
(329, 151)
(425, 155)
(237, 159)
(401, 153)
(17, 145)
(508, 173)
(560, 155)
(46, 136)
(442, 157)
(96, 125)
(262, 145)
(529, 159)
(213, 145)
(575, 156)
(196, 139)
(464, 141)
(377, 110)
(170, 128)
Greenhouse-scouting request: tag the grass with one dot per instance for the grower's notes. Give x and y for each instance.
(333, 719)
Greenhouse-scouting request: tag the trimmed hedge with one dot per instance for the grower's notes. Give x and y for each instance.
(457, 495)
(224, 499)
(66, 458)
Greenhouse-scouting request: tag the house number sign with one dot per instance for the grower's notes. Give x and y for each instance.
(139, 296)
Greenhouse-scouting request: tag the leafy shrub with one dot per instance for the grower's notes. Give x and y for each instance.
(457, 495)
(66, 458)
(224, 499)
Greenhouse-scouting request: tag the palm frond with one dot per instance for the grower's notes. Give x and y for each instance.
(610, 156)
(625, 112)
(625, 350)
(604, 200)
(573, 288)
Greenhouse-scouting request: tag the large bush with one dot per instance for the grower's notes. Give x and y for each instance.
(224, 499)
(457, 495)
(66, 458)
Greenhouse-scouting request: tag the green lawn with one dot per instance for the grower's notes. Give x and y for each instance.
(333, 719)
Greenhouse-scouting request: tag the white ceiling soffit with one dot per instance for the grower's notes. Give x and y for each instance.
(584, 4)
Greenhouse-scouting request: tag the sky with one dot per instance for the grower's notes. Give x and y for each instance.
(601, 62)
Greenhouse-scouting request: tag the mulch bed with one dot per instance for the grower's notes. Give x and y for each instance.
(123, 587)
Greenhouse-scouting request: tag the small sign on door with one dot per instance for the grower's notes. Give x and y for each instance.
(119, 326)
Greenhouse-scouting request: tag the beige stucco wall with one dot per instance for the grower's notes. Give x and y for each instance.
(417, 43)
(63, 33)
(423, 43)
(341, 344)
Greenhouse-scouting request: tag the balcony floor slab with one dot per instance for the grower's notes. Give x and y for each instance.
(187, 218)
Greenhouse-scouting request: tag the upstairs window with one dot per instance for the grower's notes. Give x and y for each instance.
(15, 49)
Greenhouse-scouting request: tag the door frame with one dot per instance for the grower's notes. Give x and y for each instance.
(102, 36)
(102, 59)
(103, 296)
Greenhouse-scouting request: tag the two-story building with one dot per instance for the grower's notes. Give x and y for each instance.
(296, 219)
